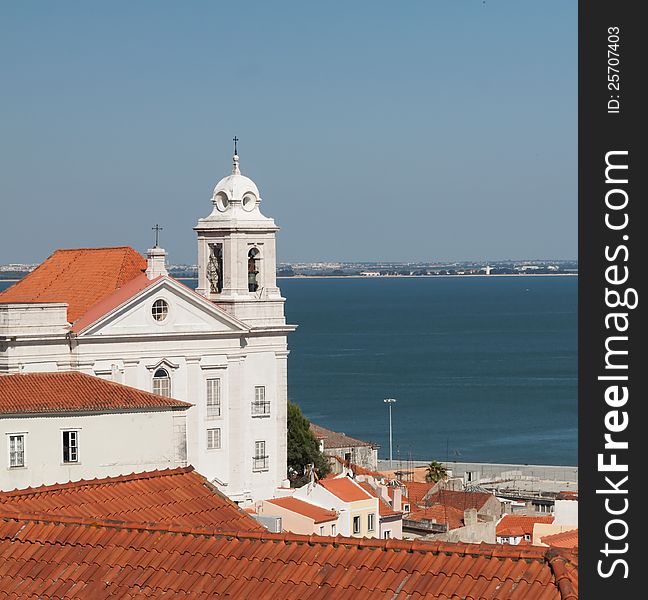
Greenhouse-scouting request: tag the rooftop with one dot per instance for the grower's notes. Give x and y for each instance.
(518, 525)
(71, 391)
(344, 488)
(317, 513)
(171, 496)
(437, 513)
(460, 500)
(75, 557)
(416, 491)
(565, 539)
(334, 439)
(80, 277)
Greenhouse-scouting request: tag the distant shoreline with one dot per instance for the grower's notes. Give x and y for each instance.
(425, 276)
(385, 276)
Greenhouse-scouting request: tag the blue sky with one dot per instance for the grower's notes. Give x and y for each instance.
(418, 130)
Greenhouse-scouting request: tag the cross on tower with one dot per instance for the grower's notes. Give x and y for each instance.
(157, 230)
(235, 140)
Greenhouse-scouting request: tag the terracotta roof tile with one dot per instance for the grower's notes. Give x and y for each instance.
(439, 513)
(344, 488)
(81, 277)
(416, 491)
(112, 301)
(73, 391)
(518, 525)
(43, 556)
(564, 539)
(317, 513)
(172, 496)
(335, 439)
(460, 500)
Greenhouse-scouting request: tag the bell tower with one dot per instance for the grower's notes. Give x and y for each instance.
(237, 262)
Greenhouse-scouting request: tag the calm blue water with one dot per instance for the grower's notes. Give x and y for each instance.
(484, 369)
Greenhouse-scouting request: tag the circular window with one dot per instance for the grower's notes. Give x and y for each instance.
(160, 310)
(221, 201)
(249, 201)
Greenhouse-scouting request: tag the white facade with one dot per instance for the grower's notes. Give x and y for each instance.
(104, 445)
(357, 518)
(227, 340)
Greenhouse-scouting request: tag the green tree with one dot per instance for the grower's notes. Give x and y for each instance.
(435, 472)
(303, 448)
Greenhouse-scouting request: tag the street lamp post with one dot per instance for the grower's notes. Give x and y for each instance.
(389, 402)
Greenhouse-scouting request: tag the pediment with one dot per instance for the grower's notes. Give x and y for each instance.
(184, 312)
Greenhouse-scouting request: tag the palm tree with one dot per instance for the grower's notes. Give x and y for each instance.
(435, 471)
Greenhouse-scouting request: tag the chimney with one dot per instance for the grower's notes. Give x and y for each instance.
(470, 517)
(156, 263)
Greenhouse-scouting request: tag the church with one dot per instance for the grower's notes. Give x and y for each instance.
(114, 314)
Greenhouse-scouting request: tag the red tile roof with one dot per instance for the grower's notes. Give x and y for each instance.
(416, 491)
(172, 496)
(81, 277)
(460, 500)
(73, 557)
(446, 515)
(384, 508)
(335, 439)
(518, 525)
(565, 539)
(345, 489)
(71, 391)
(112, 301)
(317, 513)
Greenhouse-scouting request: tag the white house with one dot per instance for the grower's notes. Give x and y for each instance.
(358, 513)
(61, 427)
(223, 348)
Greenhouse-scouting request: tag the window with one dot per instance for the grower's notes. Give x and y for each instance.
(371, 521)
(356, 524)
(162, 383)
(321, 529)
(260, 406)
(260, 456)
(160, 310)
(386, 535)
(213, 398)
(253, 270)
(406, 508)
(333, 528)
(16, 451)
(70, 446)
(215, 268)
(213, 439)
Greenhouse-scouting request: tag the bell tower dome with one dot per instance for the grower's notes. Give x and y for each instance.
(237, 262)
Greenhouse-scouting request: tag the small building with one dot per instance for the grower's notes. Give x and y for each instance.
(390, 514)
(299, 516)
(350, 450)
(357, 510)
(518, 529)
(67, 426)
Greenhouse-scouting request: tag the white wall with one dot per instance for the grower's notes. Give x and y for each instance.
(566, 512)
(109, 445)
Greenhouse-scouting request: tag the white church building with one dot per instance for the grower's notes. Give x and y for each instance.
(111, 313)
